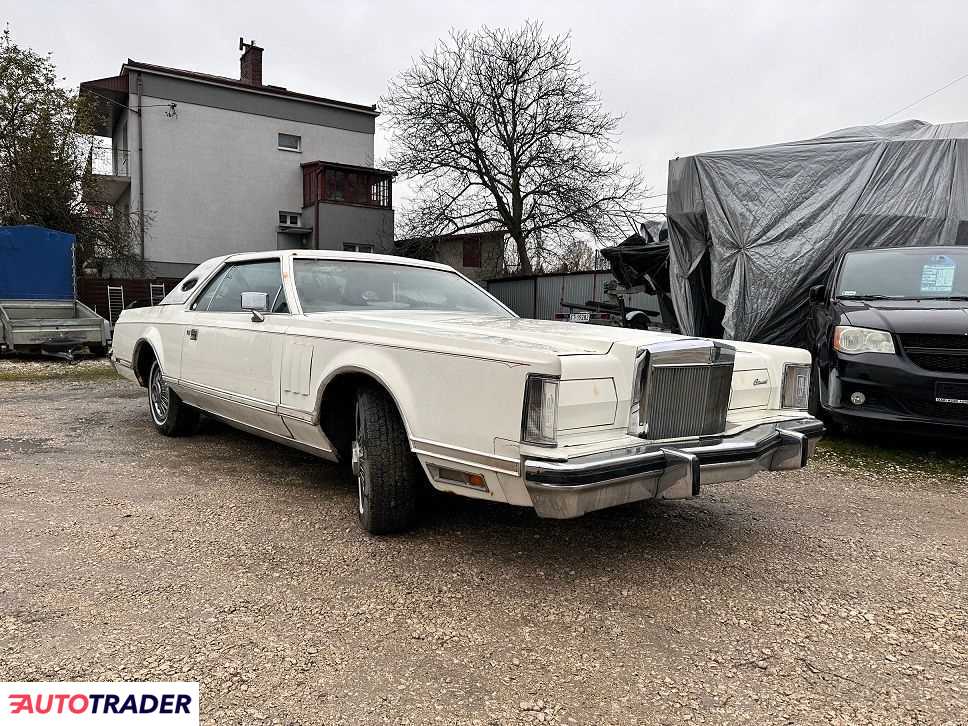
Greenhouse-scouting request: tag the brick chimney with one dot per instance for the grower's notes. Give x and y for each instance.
(251, 63)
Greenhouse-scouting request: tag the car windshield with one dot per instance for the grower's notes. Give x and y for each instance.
(332, 285)
(937, 272)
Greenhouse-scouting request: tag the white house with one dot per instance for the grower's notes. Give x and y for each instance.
(217, 165)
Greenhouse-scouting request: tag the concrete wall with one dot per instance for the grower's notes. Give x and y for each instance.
(340, 224)
(215, 181)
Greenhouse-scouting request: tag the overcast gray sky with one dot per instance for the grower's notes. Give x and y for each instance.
(686, 76)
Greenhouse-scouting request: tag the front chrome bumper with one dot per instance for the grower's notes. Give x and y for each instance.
(564, 489)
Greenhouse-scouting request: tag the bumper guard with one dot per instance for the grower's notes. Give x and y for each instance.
(565, 489)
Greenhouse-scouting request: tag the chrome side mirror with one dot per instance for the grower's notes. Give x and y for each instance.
(256, 303)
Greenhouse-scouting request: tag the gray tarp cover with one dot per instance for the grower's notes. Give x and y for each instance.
(751, 230)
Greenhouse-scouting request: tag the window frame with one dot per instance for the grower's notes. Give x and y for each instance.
(219, 277)
(476, 250)
(357, 249)
(288, 215)
(293, 260)
(295, 150)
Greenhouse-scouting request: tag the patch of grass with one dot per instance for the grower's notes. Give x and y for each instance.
(65, 373)
(884, 453)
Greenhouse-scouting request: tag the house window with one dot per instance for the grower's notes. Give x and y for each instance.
(350, 187)
(290, 142)
(353, 247)
(289, 219)
(472, 253)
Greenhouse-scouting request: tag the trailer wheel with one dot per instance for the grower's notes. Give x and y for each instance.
(97, 350)
(170, 415)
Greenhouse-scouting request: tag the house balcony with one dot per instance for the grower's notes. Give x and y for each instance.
(108, 180)
(349, 207)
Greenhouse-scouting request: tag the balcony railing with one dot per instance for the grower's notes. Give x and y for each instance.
(106, 160)
(110, 177)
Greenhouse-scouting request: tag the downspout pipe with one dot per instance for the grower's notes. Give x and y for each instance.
(141, 169)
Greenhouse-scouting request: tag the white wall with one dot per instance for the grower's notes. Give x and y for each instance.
(215, 180)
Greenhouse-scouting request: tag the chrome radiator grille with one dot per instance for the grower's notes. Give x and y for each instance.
(685, 390)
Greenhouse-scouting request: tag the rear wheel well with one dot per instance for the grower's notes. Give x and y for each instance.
(144, 356)
(337, 410)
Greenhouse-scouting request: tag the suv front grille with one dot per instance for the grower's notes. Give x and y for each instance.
(934, 352)
(685, 390)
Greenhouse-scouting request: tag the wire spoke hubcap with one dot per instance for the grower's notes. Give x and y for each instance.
(158, 395)
(359, 462)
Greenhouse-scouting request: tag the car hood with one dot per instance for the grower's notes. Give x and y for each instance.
(559, 338)
(908, 316)
(499, 337)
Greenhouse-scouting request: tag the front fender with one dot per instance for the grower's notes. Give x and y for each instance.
(381, 368)
(460, 401)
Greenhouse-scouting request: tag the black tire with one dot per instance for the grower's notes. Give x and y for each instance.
(170, 415)
(388, 475)
(97, 350)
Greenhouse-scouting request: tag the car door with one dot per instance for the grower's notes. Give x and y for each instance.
(230, 357)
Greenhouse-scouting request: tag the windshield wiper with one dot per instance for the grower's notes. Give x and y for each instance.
(945, 297)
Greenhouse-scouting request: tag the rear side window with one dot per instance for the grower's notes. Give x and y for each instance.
(180, 294)
(224, 293)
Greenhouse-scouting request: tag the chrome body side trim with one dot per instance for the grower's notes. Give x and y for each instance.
(571, 488)
(296, 414)
(294, 443)
(437, 450)
(259, 415)
(181, 385)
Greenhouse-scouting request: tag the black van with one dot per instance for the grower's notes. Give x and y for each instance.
(890, 339)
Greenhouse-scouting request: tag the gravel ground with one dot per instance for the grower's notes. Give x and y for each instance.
(836, 594)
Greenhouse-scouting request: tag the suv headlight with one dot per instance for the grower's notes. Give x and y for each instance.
(539, 422)
(795, 392)
(848, 339)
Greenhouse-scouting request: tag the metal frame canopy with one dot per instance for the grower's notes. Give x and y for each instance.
(751, 230)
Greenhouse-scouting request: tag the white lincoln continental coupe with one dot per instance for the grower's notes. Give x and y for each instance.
(412, 373)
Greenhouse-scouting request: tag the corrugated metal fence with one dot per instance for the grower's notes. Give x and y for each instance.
(540, 296)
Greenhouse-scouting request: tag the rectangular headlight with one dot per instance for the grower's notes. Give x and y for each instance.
(796, 386)
(539, 422)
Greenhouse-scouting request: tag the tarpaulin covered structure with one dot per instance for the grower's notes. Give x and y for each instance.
(751, 230)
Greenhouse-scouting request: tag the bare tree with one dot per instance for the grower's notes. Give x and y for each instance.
(500, 129)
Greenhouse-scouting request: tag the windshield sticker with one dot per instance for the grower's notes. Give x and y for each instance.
(938, 275)
(849, 292)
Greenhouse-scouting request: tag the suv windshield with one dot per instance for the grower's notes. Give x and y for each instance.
(937, 272)
(331, 285)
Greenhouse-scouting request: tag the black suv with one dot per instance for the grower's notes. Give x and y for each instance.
(890, 339)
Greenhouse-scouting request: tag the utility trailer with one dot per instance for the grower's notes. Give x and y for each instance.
(54, 327)
(39, 312)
